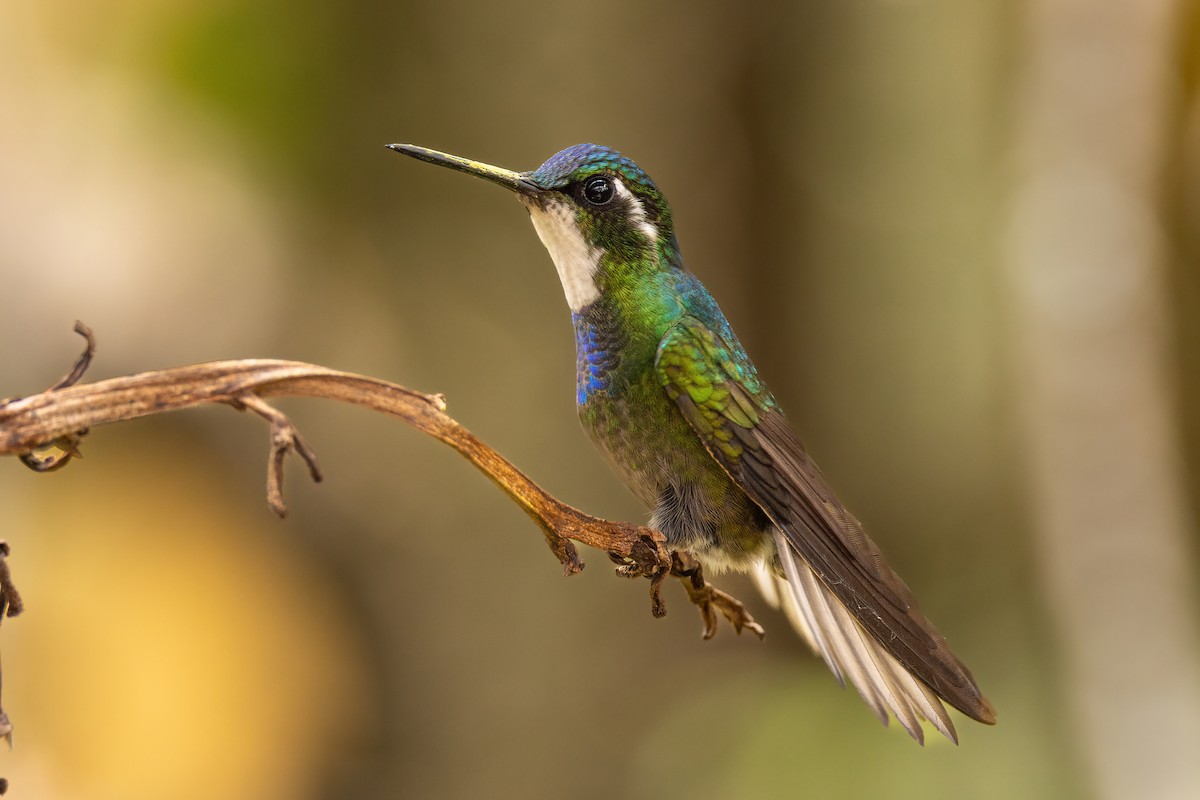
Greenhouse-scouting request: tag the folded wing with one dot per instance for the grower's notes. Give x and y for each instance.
(832, 580)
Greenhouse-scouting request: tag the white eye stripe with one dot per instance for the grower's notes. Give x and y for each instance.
(637, 213)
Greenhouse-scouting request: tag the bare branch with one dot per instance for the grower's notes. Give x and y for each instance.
(10, 606)
(285, 437)
(56, 418)
(84, 361)
(10, 599)
(57, 453)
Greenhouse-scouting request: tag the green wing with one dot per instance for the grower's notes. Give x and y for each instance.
(719, 394)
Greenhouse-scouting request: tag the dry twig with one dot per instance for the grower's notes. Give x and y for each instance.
(10, 606)
(57, 417)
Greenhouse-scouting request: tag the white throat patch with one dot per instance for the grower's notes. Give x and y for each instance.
(575, 260)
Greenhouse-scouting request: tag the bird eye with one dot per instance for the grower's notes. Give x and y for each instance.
(598, 190)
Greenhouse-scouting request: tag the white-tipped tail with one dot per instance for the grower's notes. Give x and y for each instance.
(851, 652)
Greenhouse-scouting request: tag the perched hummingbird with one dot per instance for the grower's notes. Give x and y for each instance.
(669, 396)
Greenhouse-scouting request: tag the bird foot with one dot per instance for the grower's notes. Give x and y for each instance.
(710, 599)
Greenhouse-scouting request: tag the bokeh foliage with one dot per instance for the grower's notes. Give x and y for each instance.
(203, 180)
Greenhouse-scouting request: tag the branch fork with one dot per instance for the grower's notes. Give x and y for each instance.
(285, 438)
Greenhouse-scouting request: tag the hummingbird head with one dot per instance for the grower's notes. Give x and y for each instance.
(599, 215)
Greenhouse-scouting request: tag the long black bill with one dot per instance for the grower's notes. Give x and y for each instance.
(513, 181)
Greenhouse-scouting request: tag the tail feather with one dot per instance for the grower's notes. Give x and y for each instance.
(850, 659)
(767, 584)
(849, 650)
(776, 591)
(796, 570)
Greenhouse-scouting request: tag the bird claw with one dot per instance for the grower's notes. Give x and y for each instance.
(710, 600)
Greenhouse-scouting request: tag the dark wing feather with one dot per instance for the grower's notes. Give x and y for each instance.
(714, 386)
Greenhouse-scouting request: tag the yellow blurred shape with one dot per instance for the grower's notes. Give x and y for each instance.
(177, 643)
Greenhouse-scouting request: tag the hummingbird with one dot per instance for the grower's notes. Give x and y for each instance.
(668, 395)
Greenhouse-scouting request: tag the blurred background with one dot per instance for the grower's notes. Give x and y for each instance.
(959, 239)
